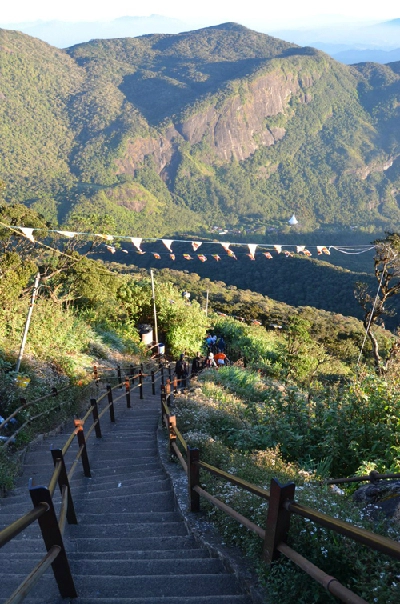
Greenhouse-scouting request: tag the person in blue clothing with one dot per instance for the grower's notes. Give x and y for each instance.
(221, 344)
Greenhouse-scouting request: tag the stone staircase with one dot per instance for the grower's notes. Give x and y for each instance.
(131, 545)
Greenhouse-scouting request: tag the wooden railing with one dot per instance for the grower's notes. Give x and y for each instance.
(24, 405)
(281, 507)
(43, 511)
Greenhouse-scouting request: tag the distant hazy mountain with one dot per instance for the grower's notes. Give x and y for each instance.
(63, 34)
(350, 43)
(347, 41)
(352, 56)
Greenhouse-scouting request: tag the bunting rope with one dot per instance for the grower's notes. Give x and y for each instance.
(108, 239)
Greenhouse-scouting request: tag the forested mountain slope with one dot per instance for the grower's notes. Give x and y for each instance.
(178, 131)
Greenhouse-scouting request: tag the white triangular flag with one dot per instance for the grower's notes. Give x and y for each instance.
(196, 245)
(252, 249)
(137, 241)
(300, 248)
(28, 233)
(168, 243)
(278, 248)
(225, 246)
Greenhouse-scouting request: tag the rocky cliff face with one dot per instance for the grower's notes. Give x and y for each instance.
(234, 130)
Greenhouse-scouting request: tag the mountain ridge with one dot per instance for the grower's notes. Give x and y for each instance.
(219, 121)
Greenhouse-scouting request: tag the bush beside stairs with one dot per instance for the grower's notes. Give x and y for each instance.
(131, 544)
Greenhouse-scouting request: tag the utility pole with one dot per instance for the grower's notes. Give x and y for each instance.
(28, 320)
(154, 307)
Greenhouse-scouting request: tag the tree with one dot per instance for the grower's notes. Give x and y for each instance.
(387, 273)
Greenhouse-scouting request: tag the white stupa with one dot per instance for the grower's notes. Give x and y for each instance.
(293, 220)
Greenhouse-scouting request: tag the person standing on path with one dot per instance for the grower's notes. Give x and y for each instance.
(197, 364)
(181, 371)
(221, 359)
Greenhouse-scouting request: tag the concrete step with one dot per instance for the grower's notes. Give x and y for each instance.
(31, 558)
(196, 552)
(128, 470)
(86, 518)
(123, 567)
(92, 491)
(230, 599)
(112, 480)
(129, 545)
(126, 530)
(147, 567)
(160, 502)
(128, 495)
(114, 462)
(153, 586)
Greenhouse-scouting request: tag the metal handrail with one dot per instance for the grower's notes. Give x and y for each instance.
(373, 476)
(19, 525)
(54, 478)
(63, 509)
(231, 512)
(330, 583)
(240, 482)
(14, 529)
(179, 456)
(68, 443)
(29, 421)
(28, 404)
(179, 437)
(22, 590)
(360, 535)
(288, 506)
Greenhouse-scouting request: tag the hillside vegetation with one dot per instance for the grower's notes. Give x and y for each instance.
(220, 124)
(306, 407)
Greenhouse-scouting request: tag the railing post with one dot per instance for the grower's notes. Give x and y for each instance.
(141, 382)
(162, 374)
(153, 384)
(82, 444)
(63, 481)
(128, 392)
(278, 519)
(119, 376)
(111, 403)
(193, 456)
(169, 371)
(132, 374)
(175, 384)
(168, 393)
(171, 433)
(97, 429)
(51, 534)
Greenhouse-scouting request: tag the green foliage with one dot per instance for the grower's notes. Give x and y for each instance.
(339, 428)
(225, 421)
(155, 111)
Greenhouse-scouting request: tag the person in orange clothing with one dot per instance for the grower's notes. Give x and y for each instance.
(221, 359)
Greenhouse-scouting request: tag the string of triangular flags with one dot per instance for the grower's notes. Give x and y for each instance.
(264, 248)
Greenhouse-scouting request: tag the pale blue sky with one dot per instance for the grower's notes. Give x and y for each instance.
(279, 14)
